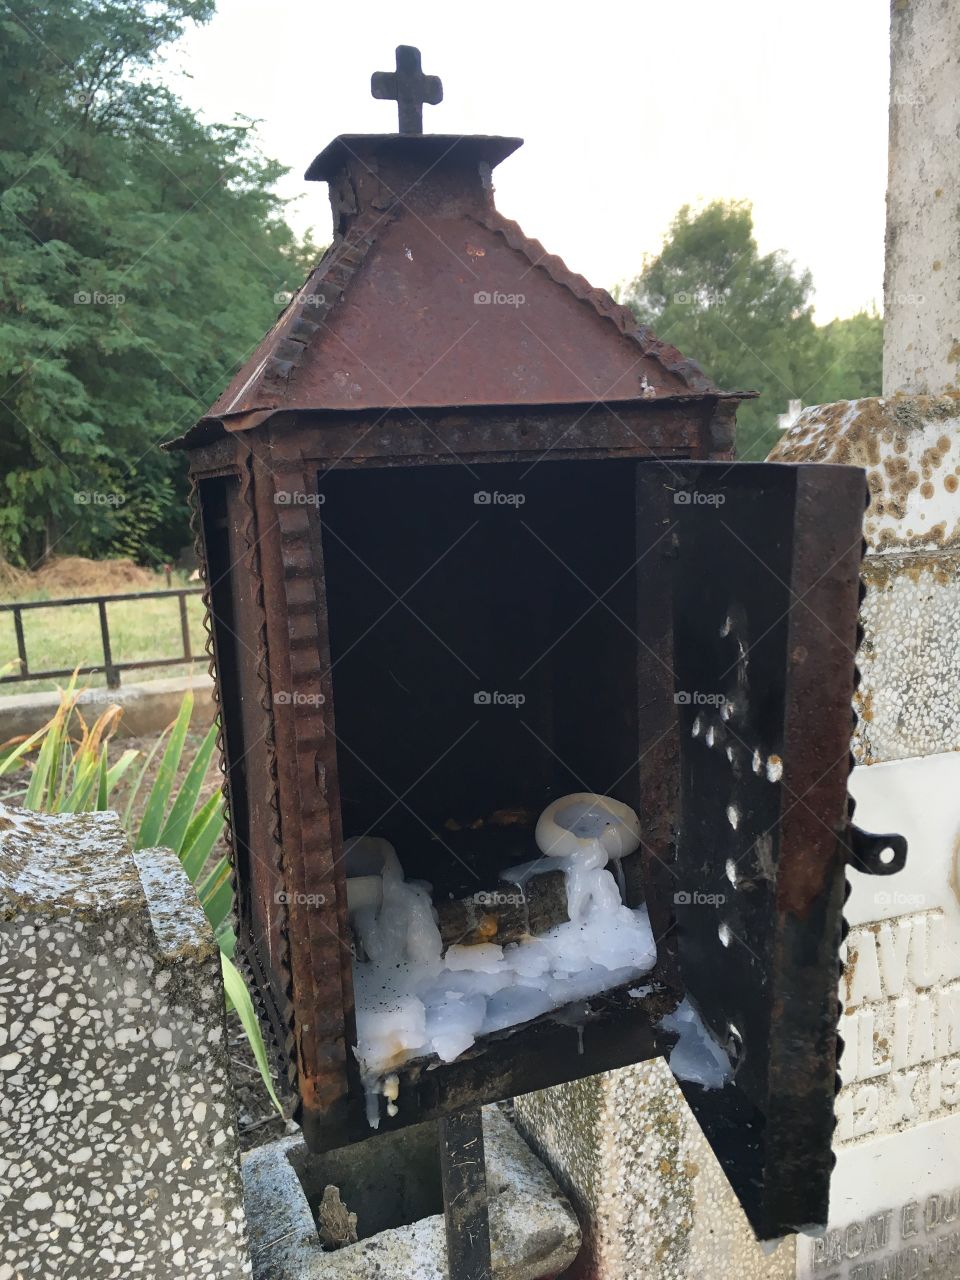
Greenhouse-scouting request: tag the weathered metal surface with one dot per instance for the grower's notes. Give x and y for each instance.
(681, 428)
(314, 884)
(465, 1210)
(408, 87)
(428, 297)
(761, 564)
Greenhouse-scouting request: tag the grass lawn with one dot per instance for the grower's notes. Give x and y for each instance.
(70, 636)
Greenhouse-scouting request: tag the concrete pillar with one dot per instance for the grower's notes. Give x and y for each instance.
(118, 1149)
(652, 1200)
(921, 341)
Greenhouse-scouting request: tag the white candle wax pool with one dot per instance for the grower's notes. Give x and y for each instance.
(412, 1000)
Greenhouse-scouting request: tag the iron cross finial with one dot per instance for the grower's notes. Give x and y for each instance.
(408, 87)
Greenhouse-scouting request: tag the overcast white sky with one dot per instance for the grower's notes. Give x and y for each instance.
(628, 109)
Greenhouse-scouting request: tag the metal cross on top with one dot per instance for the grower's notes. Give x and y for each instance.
(408, 87)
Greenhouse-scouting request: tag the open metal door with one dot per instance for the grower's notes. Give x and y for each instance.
(749, 594)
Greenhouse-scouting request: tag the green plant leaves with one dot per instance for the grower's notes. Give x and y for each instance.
(152, 824)
(239, 998)
(175, 827)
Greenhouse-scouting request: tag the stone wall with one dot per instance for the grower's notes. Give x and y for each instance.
(118, 1149)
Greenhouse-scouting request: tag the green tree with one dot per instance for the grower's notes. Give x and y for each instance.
(852, 362)
(143, 253)
(747, 318)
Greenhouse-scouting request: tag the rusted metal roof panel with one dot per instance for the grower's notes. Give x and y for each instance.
(430, 298)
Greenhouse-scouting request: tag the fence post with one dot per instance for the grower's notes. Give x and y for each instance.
(113, 675)
(185, 626)
(21, 642)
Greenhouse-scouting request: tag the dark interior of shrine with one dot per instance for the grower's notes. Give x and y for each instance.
(484, 657)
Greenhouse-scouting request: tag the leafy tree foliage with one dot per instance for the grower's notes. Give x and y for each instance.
(747, 319)
(143, 253)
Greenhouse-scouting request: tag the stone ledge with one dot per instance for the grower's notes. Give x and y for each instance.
(70, 865)
(533, 1230)
(147, 708)
(910, 449)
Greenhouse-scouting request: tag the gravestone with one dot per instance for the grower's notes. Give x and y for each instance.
(895, 1197)
(118, 1151)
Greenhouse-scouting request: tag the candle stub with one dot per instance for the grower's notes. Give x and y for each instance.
(576, 822)
(585, 831)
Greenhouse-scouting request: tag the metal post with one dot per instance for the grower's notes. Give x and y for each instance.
(21, 643)
(185, 627)
(465, 1206)
(113, 675)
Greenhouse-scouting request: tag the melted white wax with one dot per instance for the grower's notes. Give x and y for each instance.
(696, 1057)
(412, 1000)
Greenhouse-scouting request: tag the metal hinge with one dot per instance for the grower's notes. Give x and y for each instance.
(874, 855)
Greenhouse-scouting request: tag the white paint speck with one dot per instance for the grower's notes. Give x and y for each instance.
(774, 768)
(731, 869)
(724, 934)
(733, 816)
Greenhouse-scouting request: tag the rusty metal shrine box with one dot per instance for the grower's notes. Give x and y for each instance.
(472, 540)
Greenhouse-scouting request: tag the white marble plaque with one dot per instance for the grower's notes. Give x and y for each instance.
(895, 1195)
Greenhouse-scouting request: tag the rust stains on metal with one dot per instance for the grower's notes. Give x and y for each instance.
(428, 298)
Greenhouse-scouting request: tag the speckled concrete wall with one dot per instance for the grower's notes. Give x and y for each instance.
(118, 1152)
(921, 339)
(652, 1199)
(909, 698)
